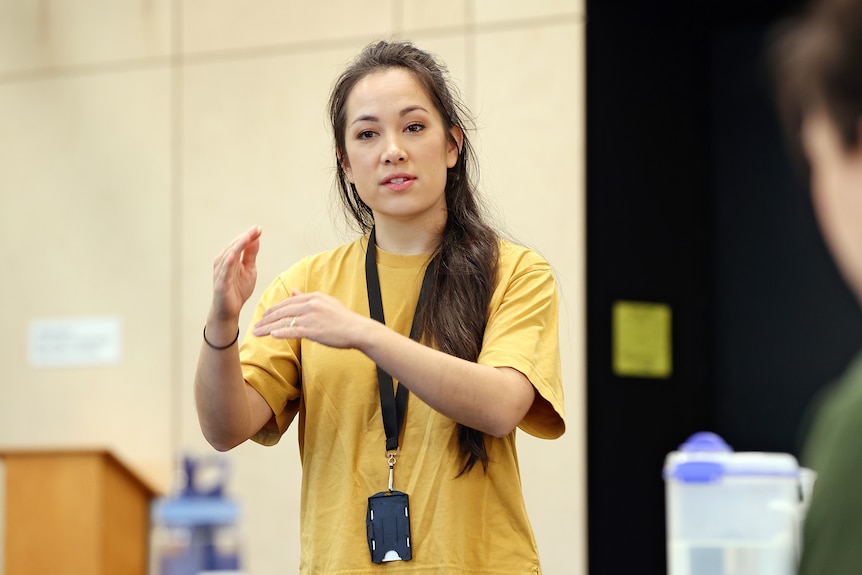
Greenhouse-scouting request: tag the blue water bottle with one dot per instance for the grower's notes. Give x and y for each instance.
(196, 530)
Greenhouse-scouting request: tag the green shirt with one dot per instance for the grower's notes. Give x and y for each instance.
(832, 541)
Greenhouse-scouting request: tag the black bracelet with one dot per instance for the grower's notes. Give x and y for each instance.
(216, 346)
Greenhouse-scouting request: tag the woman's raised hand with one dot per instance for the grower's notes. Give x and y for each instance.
(235, 275)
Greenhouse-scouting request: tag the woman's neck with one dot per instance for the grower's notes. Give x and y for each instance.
(407, 239)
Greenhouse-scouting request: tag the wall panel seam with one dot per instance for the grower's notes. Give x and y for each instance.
(277, 50)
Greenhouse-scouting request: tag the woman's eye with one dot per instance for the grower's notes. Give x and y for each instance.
(415, 128)
(367, 134)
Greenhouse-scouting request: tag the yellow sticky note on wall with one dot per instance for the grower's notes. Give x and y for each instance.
(642, 339)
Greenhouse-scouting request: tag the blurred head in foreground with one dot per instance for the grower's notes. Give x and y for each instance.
(817, 59)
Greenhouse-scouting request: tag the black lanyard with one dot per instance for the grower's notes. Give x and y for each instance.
(392, 404)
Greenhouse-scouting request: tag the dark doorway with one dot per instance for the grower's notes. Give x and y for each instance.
(694, 203)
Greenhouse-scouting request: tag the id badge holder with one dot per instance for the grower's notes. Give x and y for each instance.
(388, 523)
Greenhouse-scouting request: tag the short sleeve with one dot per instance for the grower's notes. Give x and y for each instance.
(523, 333)
(272, 366)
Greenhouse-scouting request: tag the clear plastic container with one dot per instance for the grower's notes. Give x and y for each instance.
(731, 513)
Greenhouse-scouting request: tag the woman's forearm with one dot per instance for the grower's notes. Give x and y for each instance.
(229, 410)
(492, 400)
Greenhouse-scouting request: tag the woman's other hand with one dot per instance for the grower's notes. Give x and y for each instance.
(315, 316)
(235, 275)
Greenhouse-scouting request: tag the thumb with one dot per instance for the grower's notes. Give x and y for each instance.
(252, 247)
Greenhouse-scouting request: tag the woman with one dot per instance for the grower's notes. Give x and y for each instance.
(477, 353)
(818, 60)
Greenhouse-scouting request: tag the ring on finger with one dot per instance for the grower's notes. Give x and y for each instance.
(292, 322)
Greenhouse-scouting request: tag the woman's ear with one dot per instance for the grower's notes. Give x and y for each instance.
(455, 144)
(345, 165)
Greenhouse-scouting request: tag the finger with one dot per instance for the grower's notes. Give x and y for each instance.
(286, 330)
(254, 232)
(290, 306)
(278, 311)
(251, 247)
(242, 241)
(237, 245)
(264, 327)
(282, 327)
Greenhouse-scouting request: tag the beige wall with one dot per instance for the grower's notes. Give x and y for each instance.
(137, 137)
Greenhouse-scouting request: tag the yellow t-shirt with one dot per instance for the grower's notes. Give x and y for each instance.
(473, 524)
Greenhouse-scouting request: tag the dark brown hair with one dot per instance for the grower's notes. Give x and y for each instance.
(454, 317)
(816, 59)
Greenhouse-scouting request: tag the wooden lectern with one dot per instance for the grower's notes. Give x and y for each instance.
(74, 512)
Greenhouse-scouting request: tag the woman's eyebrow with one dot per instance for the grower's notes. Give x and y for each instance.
(402, 113)
(365, 118)
(409, 109)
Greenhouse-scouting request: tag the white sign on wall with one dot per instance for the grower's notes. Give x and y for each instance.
(75, 342)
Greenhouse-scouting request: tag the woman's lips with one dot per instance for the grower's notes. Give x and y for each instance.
(398, 182)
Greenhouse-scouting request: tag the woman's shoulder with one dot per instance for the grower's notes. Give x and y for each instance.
(515, 256)
(337, 258)
(346, 250)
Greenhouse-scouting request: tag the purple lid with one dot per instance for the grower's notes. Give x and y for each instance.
(706, 458)
(705, 441)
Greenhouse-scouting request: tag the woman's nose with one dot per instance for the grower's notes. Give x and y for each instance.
(394, 152)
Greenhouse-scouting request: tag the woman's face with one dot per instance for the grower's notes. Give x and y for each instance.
(397, 149)
(836, 185)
